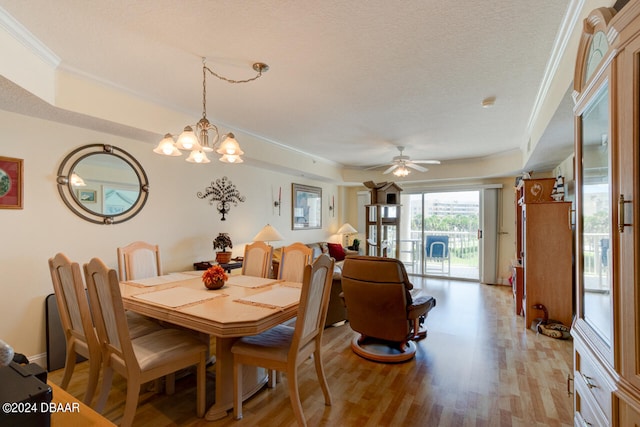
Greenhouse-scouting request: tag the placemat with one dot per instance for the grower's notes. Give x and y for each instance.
(178, 296)
(161, 280)
(250, 281)
(277, 298)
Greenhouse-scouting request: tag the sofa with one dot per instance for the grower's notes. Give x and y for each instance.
(336, 311)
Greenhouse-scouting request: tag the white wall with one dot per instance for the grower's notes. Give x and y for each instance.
(173, 217)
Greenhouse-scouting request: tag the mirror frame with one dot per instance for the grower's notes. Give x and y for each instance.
(66, 191)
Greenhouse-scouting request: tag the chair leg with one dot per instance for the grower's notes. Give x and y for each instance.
(272, 378)
(107, 379)
(321, 377)
(69, 366)
(237, 389)
(92, 383)
(170, 384)
(294, 396)
(130, 406)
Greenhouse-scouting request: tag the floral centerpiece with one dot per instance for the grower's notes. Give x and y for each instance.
(222, 242)
(214, 277)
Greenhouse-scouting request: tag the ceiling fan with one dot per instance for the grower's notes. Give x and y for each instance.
(399, 164)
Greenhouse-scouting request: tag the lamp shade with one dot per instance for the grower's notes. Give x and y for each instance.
(198, 156)
(167, 147)
(77, 181)
(268, 234)
(346, 229)
(188, 140)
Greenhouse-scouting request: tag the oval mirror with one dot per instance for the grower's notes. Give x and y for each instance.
(102, 184)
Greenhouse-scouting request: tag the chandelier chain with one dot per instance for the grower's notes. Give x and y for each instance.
(256, 77)
(204, 83)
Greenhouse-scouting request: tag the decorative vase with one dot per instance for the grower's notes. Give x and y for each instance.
(217, 284)
(223, 257)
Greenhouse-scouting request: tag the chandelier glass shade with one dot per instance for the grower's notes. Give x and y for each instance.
(203, 137)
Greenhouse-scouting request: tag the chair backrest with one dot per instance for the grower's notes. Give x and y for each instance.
(376, 294)
(294, 258)
(73, 305)
(314, 301)
(437, 247)
(257, 259)
(139, 260)
(110, 317)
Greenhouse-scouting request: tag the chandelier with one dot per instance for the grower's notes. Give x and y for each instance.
(199, 141)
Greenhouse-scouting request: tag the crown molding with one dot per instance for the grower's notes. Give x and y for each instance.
(27, 39)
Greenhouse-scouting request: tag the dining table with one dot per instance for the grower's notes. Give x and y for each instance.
(244, 306)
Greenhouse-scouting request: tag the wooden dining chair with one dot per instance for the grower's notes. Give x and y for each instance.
(284, 348)
(139, 260)
(141, 359)
(75, 317)
(257, 259)
(294, 258)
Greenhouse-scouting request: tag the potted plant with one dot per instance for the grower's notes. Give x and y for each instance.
(222, 242)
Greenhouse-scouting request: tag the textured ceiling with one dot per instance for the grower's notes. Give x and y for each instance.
(348, 80)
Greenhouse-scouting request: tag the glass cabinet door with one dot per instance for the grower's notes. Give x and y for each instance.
(594, 233)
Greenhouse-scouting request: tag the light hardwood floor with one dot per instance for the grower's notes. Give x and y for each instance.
(479, 366)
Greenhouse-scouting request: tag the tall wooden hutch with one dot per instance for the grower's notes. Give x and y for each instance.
(543, 249)
(606, 330)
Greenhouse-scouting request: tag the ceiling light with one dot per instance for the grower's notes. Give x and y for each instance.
(197, 141)
(401, 171)
(488, 102)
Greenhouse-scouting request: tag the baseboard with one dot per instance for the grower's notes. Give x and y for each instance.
(40, 359)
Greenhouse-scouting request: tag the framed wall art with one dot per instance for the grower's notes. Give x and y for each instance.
(306, 207)
(11, 183)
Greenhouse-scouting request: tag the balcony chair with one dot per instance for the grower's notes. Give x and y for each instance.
(257, 259)
(437, 250)
(376, 292)
(284, 348)
(141, 359)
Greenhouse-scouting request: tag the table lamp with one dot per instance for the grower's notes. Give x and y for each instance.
(268, 234)
(347, 229)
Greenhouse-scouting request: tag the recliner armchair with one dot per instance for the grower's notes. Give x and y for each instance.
(380, 307)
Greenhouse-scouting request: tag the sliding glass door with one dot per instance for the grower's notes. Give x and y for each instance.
(441, 233)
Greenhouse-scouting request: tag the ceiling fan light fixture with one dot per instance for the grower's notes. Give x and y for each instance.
(402, 171)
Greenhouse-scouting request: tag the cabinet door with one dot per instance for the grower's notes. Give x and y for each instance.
(594, 221)
(627, 210)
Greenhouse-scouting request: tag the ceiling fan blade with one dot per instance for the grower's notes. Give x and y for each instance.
(427, 162)
(390, 169)
(376, 166)
(416, 167)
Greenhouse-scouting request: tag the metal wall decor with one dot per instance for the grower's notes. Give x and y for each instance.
(222, 193)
